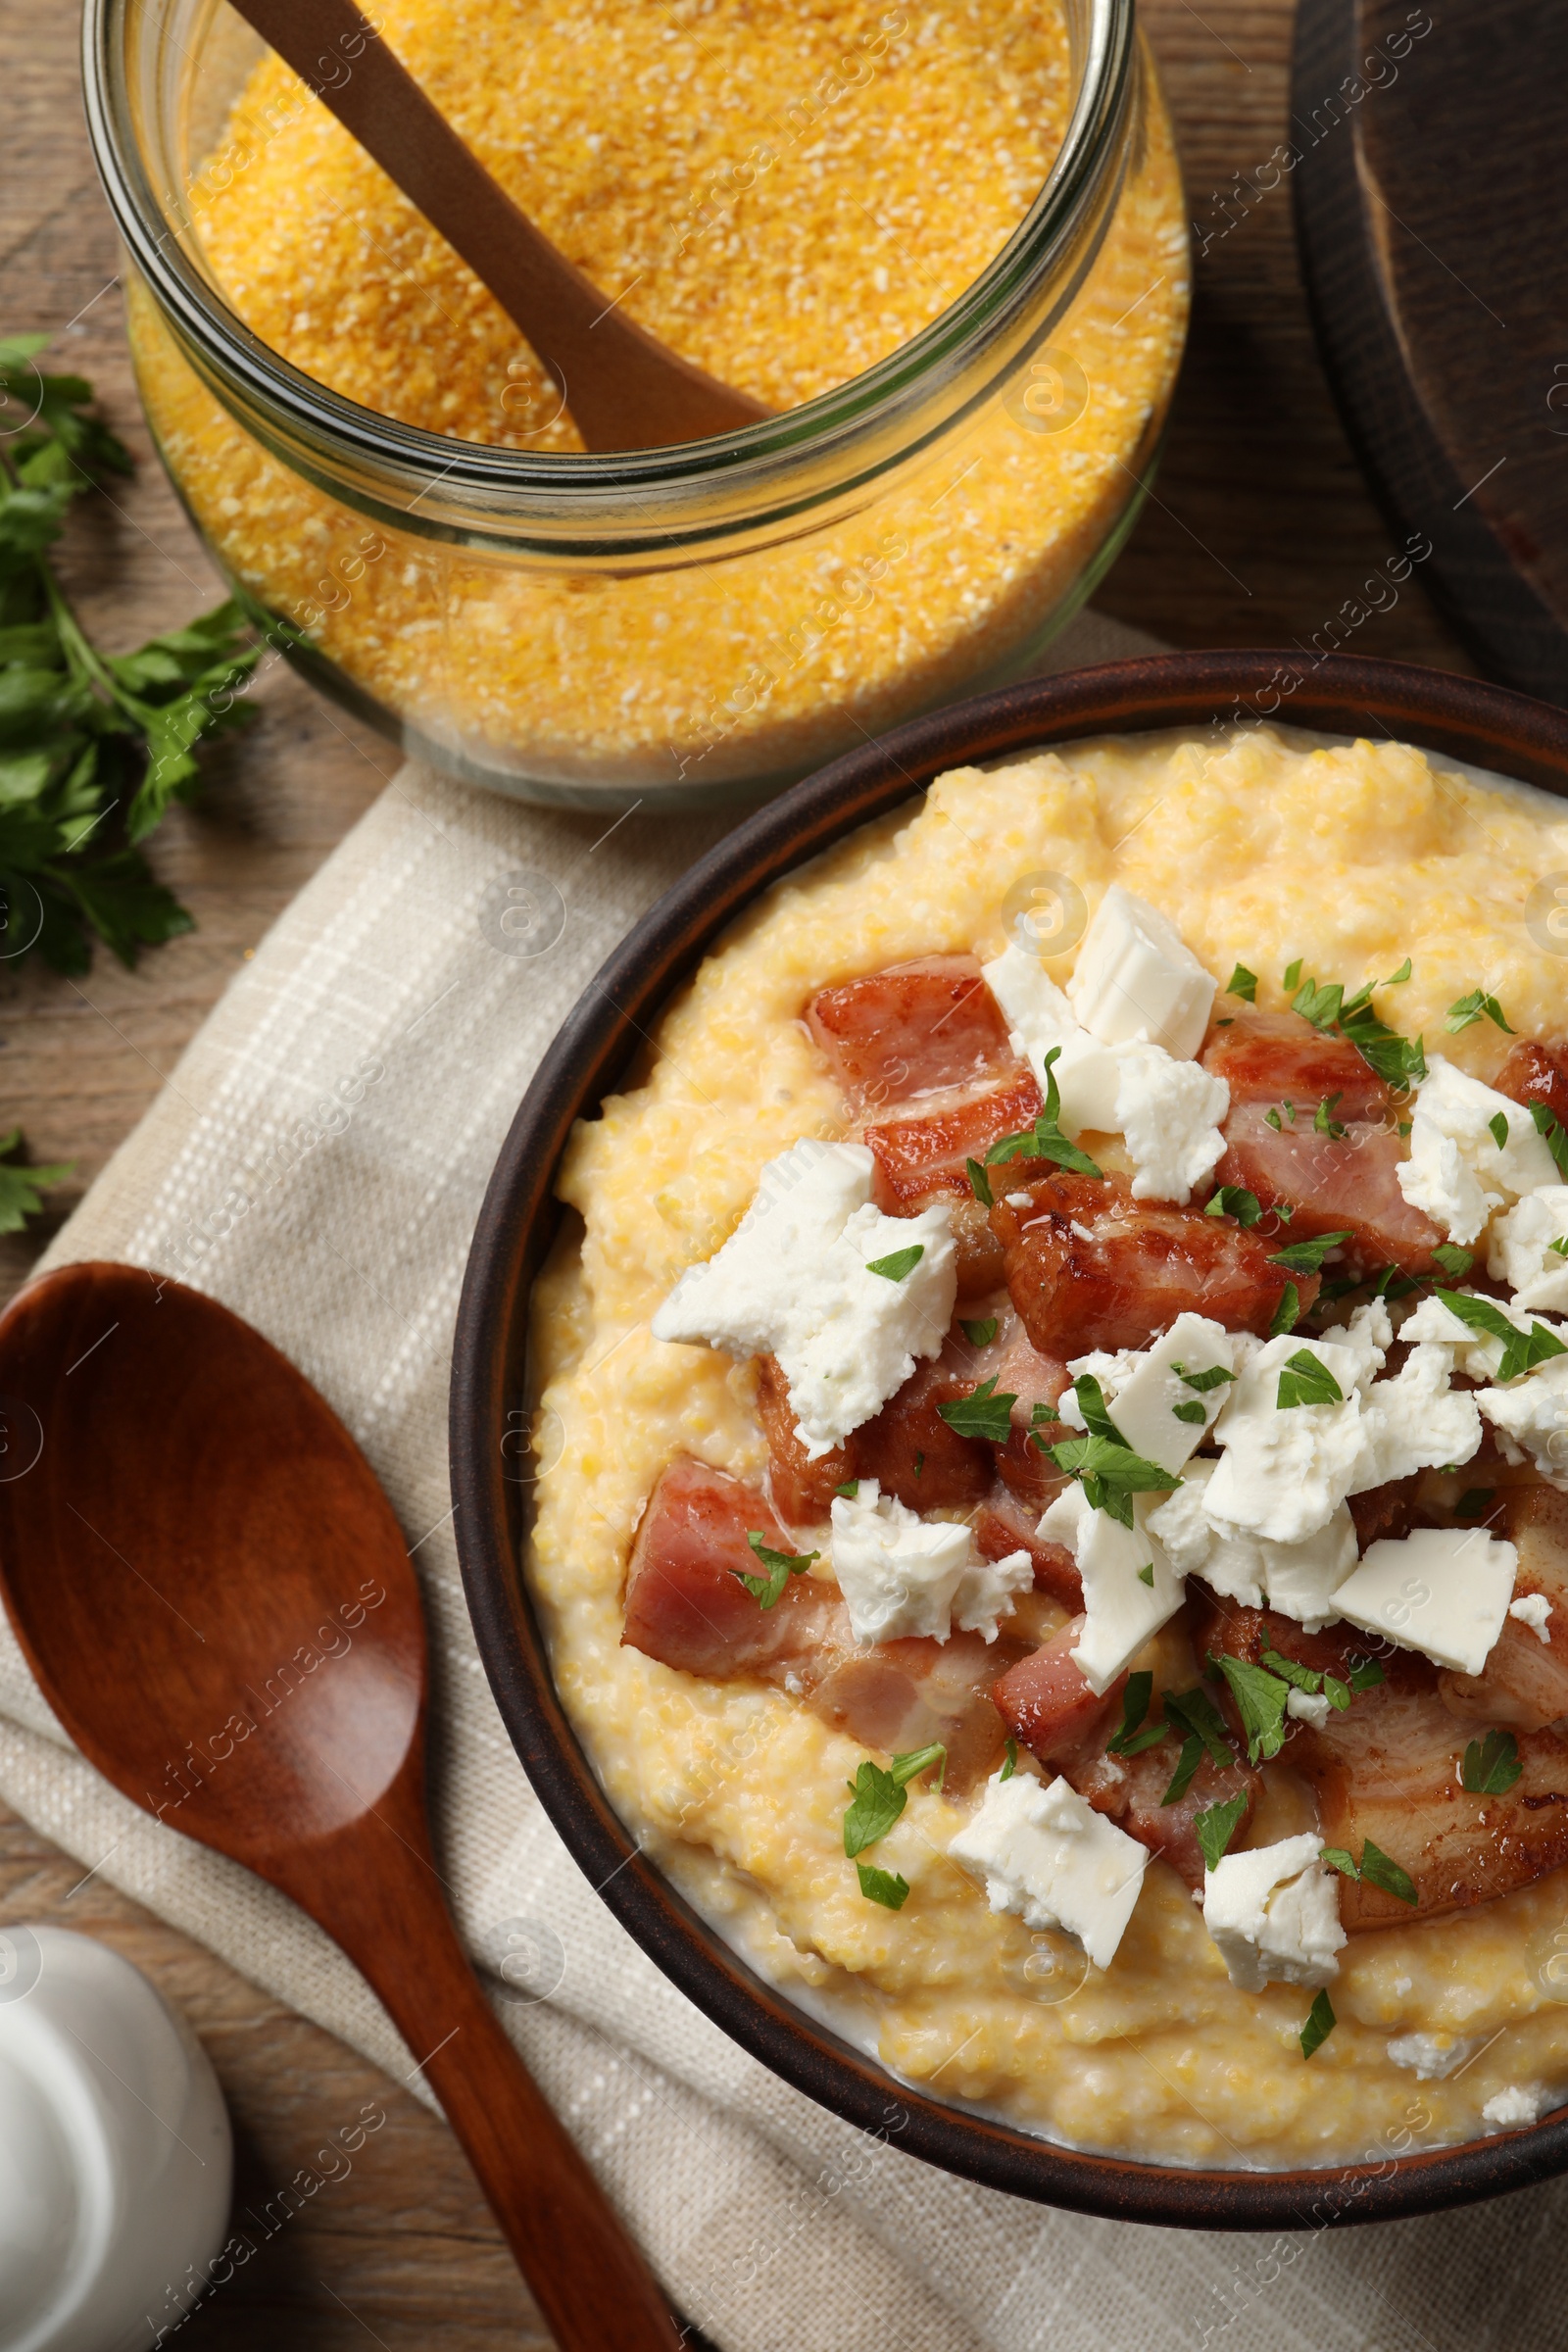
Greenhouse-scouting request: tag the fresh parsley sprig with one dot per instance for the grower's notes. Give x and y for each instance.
(1216, 1825)
(1111, 1471)
(94, 747)
(1548, 1125)
(1304, 1378)
(1307, 1258)
(1491, 1766)
(768, 1589)
(1044, 1138)
(1466, 1009)
(1376, 1867)
(1522, 1351)
(1234, 1200)
(981, 1414)
(1400, 1061)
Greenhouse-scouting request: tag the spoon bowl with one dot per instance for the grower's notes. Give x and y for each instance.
(215, 1598)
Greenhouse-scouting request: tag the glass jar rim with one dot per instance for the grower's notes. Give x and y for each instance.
(847, 428)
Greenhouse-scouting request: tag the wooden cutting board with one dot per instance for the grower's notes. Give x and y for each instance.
(1431, 213)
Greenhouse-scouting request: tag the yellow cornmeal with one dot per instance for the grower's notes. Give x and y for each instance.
(876, 210)
(1263, 848)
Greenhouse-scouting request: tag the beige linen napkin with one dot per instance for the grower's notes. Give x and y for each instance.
(316, 1161)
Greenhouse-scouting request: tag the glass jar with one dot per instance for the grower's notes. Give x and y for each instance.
(692, 625)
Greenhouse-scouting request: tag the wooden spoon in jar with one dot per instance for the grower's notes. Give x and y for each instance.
(216, 1600)
(625, 389)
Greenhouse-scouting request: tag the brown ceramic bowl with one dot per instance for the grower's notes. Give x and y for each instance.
(1486, 726)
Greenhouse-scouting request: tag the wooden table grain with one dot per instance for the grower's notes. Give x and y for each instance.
(1260, 530)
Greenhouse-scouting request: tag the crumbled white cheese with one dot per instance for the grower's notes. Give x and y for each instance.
(1416, 1421)
(1308, 1706)
(1169, 1111)
(1456, 1170)
(1274, 1914)
(1475, 1353)
(1142, 1388)
(1123, 1608)
(1298, 1580)
(1432, 2057)
(1444, 1590)
(1369, 1335)
(1285, 1471)
(901, 1576)
(793, 1281)
(1534, 1610)
(1136, 977)
(1508, 2109)
(1054, 1861)
(1531, 1419)
(1519, 1250)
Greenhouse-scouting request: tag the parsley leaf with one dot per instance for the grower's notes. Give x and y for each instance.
(1234, 1200)
(1193, 1412)
(1381, 1870)
(780, 1566)
(1307, 1258)
(916, 1761)
(1323, 1120)
(1112, 1473)
(1492, 1766)
(1288, 1314)
(886, 1888)
(980, 1183)
(1395, 979)
(900, 1263)
(1304, 1678)
(1498, 1129)
(979, 1334)
(1045, 1139)
(1522, 1351)
(851, 1488)
(1216, 1826)
(1293, 973)
(1320, 2024)
(1321, 1007)
(1559, 1246)
(1337, 1858)
(981, 1414)
(1199, 1717)
(21, 1188)
(1010, 1761)
(1466, 1009)
(1135, 1698)
(1095, 1411)
(1244, 984)
(1215, 1378)
(879, 1799)
(1260, 1702)
(1304, 1378)
(1549, 1126)
(1274, 1120)
(1452, 1260)
(1365, 1673)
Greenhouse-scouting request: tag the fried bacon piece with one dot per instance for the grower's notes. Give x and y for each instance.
(1334, 1184)
(1002, 1525)
(923, 1160)
(1536, 1072)
(685, 1603)
(915, 1029)
(903, 1695)
(1050, 1709)
(1277, 1057)
(906, 1447)
(1523, 1684)
(1388, 1769)
(1089, 1267)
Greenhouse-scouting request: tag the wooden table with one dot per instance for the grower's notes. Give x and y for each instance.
(1260, 529)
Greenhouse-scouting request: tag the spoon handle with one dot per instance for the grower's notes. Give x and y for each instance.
(376, 1893)
(625, 389)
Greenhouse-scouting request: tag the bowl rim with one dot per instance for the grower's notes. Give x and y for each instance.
(1487, 726)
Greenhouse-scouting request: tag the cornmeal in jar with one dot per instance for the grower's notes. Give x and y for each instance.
(786, 197)
(1052, 1522)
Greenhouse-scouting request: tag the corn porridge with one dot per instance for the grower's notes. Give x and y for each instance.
(787, 197)
(1075, 1590)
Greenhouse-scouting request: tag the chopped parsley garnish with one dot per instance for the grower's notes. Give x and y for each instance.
(1215, 1377)
(1498, 1129)
(1010, 1761)
(1559, 1247)
(979, 1334)
(1216, 1826)
(1308, 1679)
(1323, 1120)
(980, 1184)
(1044, 1138)
(1551, 1127)
(901, 1262)
(1095, 1411)
(1398, 1060)
(883, 1887)
(780, 1566)
(1244, 984)
(1320, 2024)
(879, 1796)
(851, 1488)
(1491, 1766)
(1474, 1501)
(1273, 1119)
(1135, 1734)
(1522, 1349)
(1466, 1009)
(1234, 1200)
(919, 1464)
(1365, 1673)
(1337, 1858)
(1112, 1473)
(1307, 1258)
(1293, 973)
(1381, 1870)
(1193, 1412)
(1146, 1575)
(1304, 1378)
(1202, 1728)
(1260, 1699)
(1452, 1260)
(981, 1414)
(1288, 1314)
(1395, 979)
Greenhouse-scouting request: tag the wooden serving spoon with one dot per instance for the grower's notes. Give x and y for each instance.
(218, 1603)
(625, 389)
